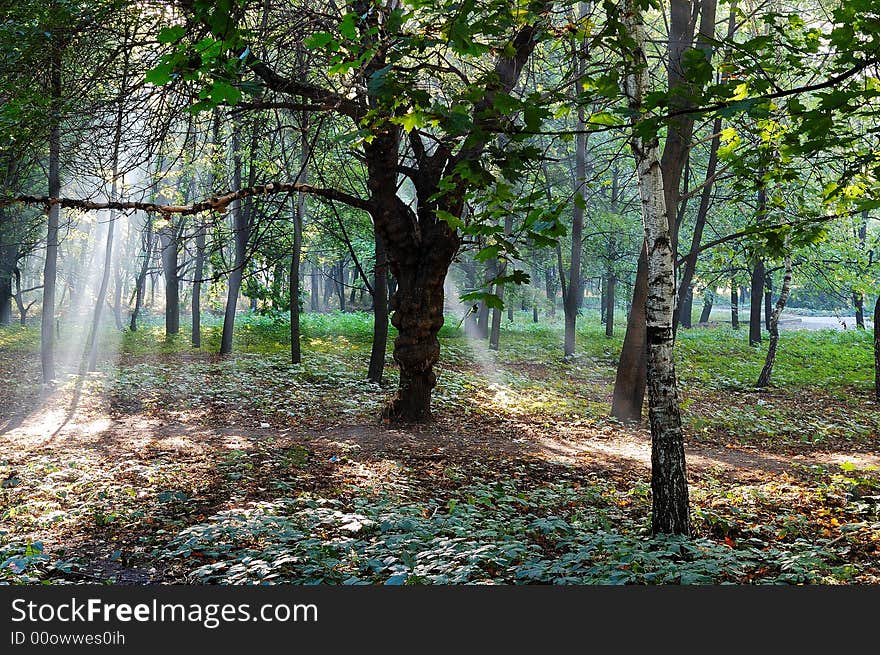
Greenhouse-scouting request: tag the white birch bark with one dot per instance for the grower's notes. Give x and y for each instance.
(668, 471)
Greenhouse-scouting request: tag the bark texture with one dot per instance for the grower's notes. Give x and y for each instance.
(668, 472)
(376, 369)
(627, 403)
(632, 367)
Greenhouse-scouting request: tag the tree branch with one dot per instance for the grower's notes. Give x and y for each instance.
(214, 203)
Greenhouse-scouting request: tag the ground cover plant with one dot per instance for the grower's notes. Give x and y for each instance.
(173, 465)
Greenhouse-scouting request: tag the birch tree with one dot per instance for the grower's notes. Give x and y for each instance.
(668, 474)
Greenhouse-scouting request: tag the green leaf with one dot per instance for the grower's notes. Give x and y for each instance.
(487, 253)
(411, 120)
(319, 40)
(347, 27)
(604, 118)
(160, 75)
(454, 221)
(492, 301)
(534, 115)
(171, 34)
(224, 92)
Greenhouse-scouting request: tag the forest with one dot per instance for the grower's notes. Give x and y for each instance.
(417, 292)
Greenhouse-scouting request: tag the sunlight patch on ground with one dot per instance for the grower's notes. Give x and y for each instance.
(514, 403)
(39, 427)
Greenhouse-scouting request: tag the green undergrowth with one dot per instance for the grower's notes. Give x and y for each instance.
(491, 530)
(490, 533)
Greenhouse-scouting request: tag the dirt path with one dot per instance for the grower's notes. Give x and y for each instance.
(77, 419)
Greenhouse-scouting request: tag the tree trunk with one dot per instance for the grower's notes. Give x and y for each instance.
(92, 347)
(340, 284)
(707, 306)
(352, 297)
(120, 279)
(609, 310)
(241, 237)
(756, 295)
(418, 317)
(768, 299)
(376, 370)
(198, 274)
(170, 250)
(858, 296)
(629, 384)
(495, 334)
(764, 377)
(572, 298)
(140, 283)
(734, 306)
(7, 267)
(201, 239)
(627, 402)
(314, 292)
(329, 284)
(668, 470)
(19, 301)
(685, 316)
(484, 311)
(877, 349)
(690, 264)
(299, 215)
(560, 270)
(50, 267)
(94, 333)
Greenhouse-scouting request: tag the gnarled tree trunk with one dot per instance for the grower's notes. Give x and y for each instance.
(417, 307)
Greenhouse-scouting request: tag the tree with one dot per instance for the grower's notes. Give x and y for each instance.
(686, 74)
(670, 511)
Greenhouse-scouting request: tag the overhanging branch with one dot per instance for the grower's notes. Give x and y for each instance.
(214, 203)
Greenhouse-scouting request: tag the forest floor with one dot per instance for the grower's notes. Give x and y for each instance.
(174, 465)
